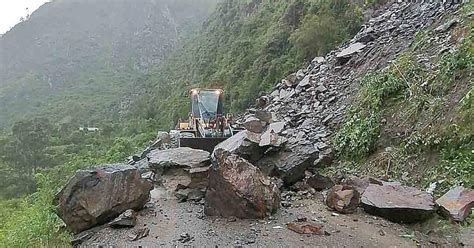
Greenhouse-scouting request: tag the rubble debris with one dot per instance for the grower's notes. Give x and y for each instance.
(139, 234)
(239, 189)
(265, 116)
(94, 197)
(343, 198)
(319, 182)
(350, 50)
(126, 219)
(457, 203)
(447, 26)
(306, 228)
(398, 203)
(185, 237)
(254, 125)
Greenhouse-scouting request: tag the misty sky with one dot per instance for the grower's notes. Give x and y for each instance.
(12, 10)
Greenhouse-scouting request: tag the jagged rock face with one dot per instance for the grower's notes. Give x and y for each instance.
(398, 203)
(244, 144)
(290, 163)
(238, 188)
(94, 197)
(457, 203)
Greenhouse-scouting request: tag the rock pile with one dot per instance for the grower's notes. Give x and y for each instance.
(312, 101)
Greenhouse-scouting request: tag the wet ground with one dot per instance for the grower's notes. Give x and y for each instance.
(174, 224)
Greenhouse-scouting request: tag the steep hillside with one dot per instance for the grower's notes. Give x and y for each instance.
(394, 102)
(245, 47)
(73, 59)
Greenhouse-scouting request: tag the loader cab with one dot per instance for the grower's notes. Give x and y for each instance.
(207, 104)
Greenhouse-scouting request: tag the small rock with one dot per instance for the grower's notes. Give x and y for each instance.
(254, 124)
(457, 203)
(185, 237)
(344, 199)
(139, 234)
(126, 219)
(447, 26)
(319, 182)
(306, 228)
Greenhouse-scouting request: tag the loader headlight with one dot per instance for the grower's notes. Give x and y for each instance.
(194, 92)
(218, 92)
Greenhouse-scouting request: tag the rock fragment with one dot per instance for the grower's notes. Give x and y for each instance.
(245, 144)
(398, 203)
(457, 203)
(344, 199)
(306, 228)
(254, 124)
(319, 182)
(139, 234)
(126, 219)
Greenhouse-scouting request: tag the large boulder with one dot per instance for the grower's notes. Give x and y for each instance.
(398, 203)
(457, 203)
(184, 157)
(182, 171)
(94, 197)
(245, 144)
(238, 188)
(289, 164)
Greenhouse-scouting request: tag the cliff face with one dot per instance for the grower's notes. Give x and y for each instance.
(70, 47)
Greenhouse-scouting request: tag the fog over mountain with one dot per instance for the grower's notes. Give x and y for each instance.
(69, 50)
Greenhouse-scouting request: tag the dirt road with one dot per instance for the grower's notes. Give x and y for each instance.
(174, 224)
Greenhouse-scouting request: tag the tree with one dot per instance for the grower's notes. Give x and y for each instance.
(28, 143)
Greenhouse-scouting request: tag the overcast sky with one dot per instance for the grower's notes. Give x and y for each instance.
(12, 10)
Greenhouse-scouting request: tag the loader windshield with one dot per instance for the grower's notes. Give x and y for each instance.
(205, 104)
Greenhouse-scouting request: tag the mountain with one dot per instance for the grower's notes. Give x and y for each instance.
(245, 47)
(72, 59)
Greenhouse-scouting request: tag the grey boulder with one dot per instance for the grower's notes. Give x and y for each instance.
(239, 189)
(245, 144)
(183, 157)
(398, 203)
(94, 197)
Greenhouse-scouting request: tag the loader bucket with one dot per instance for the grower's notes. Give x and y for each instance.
(206, 144)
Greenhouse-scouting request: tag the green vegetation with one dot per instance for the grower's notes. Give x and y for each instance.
(246, 47)
(433, 107)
